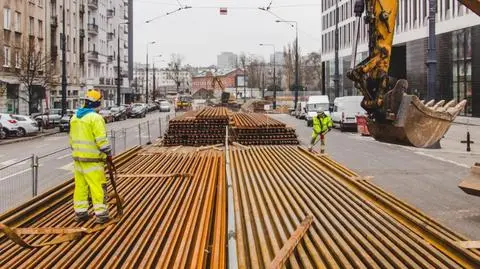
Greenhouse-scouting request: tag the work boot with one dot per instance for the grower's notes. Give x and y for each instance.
(81, 216)
(102, 218)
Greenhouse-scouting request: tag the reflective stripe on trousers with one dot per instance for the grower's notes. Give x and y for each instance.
(89, 179)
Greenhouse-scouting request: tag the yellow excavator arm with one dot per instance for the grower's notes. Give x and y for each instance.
(394, 116)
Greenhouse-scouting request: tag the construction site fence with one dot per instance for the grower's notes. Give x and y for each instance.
(28, 177)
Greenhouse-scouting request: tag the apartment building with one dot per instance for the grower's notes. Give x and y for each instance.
(107, 23)
(165, 82)
(227, 60)
(74, 16)
(458, 31)
(23, 24)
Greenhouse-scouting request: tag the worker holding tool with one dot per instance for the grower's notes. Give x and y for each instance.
(322, 124)
(90, 150)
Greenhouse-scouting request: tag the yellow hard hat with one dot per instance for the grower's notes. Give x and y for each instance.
(93, 95)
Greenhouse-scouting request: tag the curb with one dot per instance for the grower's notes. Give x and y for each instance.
(27, 138)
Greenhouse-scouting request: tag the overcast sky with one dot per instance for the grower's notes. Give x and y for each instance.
(199, 34)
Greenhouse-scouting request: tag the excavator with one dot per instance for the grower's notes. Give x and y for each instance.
(227, 98)
(394, 116)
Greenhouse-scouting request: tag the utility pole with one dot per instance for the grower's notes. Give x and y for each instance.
(431, 52)
(244, 82)
(64, 64)
(297, 82)
(154, 82)
(275, 82)
(336, 78)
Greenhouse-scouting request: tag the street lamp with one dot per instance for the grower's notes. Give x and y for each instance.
(119, 99)
(274, 75)
(154, 79)
(64, 64)
(146, 79)
(296, 59)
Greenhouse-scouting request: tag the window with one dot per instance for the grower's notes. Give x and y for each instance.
(40, 28)
(17, 59)
(6, 18)
(74, 46)
(18, 21)
(31, 26)
(6, 54)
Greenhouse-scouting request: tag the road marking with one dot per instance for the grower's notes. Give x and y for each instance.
(18, 173)
(441, 159)
(8, 162)
(67, 167)
(64, 156)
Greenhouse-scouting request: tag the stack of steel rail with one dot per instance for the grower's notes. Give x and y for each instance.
(198, 128)
(260, 129)
(355, 224)
(174, 216)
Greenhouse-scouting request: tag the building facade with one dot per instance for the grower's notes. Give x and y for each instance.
(458, 31)
(229, 79)
(161, 82)
(106, 24)
(24, 27)
(227, 60)
(76, 46)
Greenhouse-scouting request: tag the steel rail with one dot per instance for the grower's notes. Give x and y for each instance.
(356, 224)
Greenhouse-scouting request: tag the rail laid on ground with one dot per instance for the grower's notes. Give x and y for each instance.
(174, 216)
(356, 225)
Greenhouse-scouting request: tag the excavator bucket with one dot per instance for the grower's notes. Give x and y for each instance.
(417, 124)
(471, 184)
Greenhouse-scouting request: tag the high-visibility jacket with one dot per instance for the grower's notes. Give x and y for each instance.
(88, 138)
(321, 125)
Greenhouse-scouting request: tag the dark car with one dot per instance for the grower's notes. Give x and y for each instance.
(64, 125)
(119, 113)
(138, 110)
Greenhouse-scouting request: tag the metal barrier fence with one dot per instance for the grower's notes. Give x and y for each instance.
(26, 178)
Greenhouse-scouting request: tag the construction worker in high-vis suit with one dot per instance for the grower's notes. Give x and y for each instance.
(90, 151)
(322, 124)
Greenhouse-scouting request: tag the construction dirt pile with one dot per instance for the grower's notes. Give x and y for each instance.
(198, 128)
(260, 129)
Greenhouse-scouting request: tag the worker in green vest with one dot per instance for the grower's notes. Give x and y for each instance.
(322, 123)
(90, 151)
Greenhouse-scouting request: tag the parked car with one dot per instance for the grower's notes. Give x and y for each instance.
(107, 115)
(138, 110)
(26, 125)
(9, 124)
(128, 108)
(3, 135)
(152, 107)
(119, 113)
(344, 111)
(49, 118)
(64, 125)
(164, 106)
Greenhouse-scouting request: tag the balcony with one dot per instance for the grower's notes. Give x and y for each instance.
(54, 22)
(110, 13)
(110, 36)
(93, 4)
(93, 29)
(82, 33)
(93, 56)
(82, 9)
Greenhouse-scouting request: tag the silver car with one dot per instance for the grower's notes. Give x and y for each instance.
(164, 106)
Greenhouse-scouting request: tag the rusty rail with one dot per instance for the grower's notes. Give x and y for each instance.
(260, 129)
(198, 128)
(355, 225)
(169, 220)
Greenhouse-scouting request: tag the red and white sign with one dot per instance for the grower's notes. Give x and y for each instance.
(223, 11)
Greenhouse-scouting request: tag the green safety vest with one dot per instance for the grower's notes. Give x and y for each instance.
(88, 138)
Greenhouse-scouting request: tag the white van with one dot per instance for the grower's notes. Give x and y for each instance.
(300, 112)
(344, 111)
(315, 103)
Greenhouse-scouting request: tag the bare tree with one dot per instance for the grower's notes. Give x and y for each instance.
(35, 71)
(174, 69)
(312, 71)
(289, 58)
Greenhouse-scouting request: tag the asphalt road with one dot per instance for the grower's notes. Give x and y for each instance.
(423, 180)
(55, 163)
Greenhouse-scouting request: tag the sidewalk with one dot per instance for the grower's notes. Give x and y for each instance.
(43, 133)
(467, 120)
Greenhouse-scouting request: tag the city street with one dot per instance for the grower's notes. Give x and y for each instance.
(424, 178)
(55, 163)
